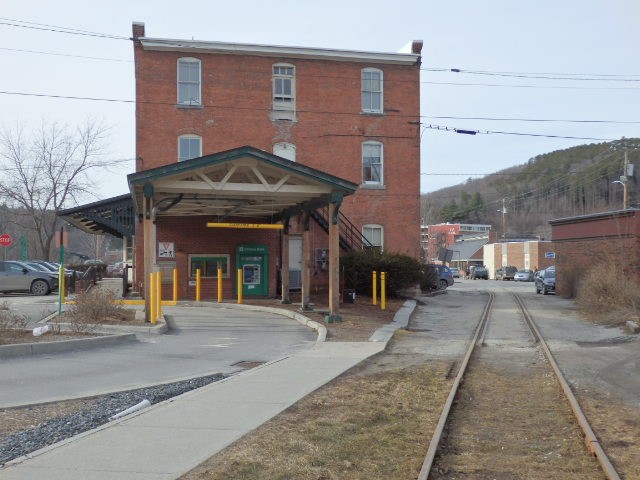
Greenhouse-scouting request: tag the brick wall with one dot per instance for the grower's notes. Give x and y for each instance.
(328, 134)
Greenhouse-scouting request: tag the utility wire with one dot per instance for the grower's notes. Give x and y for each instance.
(546, 76)
(55, 28)
(497, 132)
(65, 55)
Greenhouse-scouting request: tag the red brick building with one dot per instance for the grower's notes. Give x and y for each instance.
(580, 242)
(351, 115)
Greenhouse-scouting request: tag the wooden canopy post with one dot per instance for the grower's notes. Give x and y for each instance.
(334, 259)
(306, 262)
(149, 251)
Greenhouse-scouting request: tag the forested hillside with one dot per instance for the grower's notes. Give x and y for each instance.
(564, 183)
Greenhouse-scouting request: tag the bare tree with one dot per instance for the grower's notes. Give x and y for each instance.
(49, 170)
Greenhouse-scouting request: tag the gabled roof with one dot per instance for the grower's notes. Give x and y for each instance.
(464, 251)
(242, 182)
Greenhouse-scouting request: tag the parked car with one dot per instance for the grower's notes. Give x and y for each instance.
(445, 276)
(455, 272)
(479, 273)
(506, 273)
(19, 277)
(545, 282)
(525, 275)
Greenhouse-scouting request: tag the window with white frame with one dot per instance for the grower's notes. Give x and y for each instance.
(284, 91)
(189, 81)
(372, 99)
(372, 161)
(374, 234)
(189, 146)
(285, 150)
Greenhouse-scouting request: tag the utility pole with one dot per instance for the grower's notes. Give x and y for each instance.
(504, 219)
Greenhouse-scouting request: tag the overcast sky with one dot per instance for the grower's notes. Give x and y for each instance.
(597, 39)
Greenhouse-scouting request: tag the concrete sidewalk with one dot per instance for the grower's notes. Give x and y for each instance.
(169, 439)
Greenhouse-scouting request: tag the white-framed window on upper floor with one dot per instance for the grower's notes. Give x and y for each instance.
(284, 91)
(285, 150)
(374, 234)
(372, 91)
(372, 163)
(189, 82)
(189, 146)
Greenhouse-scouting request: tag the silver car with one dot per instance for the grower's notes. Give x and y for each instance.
(20, 277)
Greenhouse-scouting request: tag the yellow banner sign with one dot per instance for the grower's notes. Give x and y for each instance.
(268, 226)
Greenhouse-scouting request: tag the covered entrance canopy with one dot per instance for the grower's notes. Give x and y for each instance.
(243, 183)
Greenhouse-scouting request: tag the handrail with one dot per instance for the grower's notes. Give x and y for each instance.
(351, 237)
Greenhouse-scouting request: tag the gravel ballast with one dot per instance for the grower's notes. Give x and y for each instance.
(61, 428)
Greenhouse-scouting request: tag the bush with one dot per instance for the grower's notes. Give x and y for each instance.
(94, 306)
(402, 271)
(606, 287)
(430, 278)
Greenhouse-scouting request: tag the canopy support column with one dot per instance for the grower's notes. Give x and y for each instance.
(306, 262)
(334, 259)
(284, 267)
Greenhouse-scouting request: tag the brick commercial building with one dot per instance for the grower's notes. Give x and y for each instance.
(308, 138)
(581, 242)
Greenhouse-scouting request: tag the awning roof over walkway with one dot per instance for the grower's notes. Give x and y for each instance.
(114, 216)
(243, 182)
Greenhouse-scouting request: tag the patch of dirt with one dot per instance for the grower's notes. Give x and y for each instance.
(122, 317)
(21, 336)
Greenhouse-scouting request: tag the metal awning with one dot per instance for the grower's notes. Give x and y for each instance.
(241, 183)
(114, 216)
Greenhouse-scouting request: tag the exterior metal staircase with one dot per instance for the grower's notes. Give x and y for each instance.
(351, 237)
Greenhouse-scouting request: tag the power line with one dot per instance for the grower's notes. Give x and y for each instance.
(541, 120)
(497, 132)
(66, 55)
(543, 76)
(528, 86)
(57, 29)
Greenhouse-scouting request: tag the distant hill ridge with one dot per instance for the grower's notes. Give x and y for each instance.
(574, 181)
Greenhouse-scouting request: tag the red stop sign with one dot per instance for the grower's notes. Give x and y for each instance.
(5, 240)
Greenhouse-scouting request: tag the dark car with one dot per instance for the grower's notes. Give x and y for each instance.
(479, 273)
(545, 281)
(506, 273)
(445, 275)
(437, 277)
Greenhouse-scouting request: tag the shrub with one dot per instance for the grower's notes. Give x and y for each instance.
(606, 287)
(12, 321)
(402, 271)
(430, 278)
(94, 306)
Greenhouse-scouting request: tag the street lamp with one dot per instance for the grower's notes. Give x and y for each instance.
(623, 182)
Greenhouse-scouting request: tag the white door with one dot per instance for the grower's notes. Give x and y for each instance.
(295, 263)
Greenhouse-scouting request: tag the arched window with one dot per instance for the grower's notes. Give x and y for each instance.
(372, 91)
(375, 235)
(372, 163)
(189, 81)
(189, 146)
(285, 150)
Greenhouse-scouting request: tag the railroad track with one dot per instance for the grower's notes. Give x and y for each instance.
(463, 444)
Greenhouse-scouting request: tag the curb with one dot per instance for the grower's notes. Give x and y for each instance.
(400, 320)
(26, 349)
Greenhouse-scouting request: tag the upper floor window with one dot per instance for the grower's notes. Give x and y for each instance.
(284, 91)
(285, 150)
(189, 81)
(372, 162)
(189, 146)
(372, 90)
(375, 235)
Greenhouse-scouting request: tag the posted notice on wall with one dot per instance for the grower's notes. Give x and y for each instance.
(166, 250)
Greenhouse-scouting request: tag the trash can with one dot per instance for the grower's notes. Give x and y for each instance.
(349, 296)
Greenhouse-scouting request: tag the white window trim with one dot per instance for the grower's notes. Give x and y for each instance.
(371, 182)
(285, 146)
(178, 82)
(371, 110)
(378, 227)
(189, 137)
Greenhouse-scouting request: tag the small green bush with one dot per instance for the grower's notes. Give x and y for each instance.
(402, 271)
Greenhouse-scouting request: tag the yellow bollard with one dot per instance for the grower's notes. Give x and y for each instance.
(175, 284)
(159, 294)
(239, 286)
(219, 285)
(374, 287)
(197, 285)
(152, 298)
(61, 284)
(383, 290)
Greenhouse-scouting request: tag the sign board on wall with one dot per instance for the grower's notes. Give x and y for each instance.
(550, 255)
(166, 250)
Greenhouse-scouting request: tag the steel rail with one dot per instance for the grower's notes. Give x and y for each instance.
(437, 435)
(590, 439)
